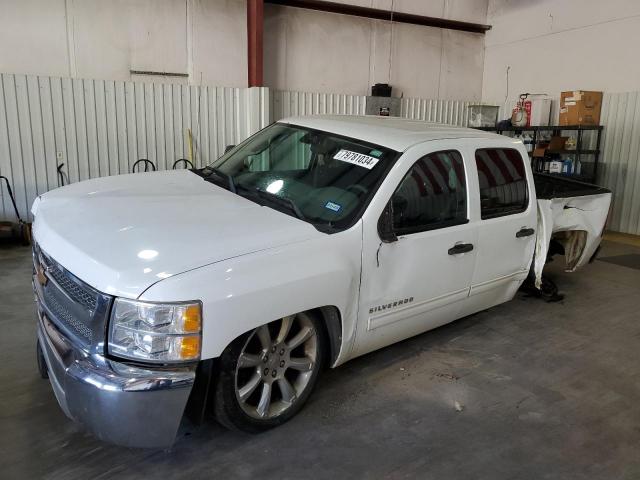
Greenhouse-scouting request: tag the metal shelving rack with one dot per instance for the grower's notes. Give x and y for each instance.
(556, 130)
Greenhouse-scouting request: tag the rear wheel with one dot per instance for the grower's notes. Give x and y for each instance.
(267, 375)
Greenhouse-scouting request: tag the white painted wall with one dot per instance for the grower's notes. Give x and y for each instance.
(33, 37)
(219, 47)
(106, 39)
(315, 51)
(553, 46)
(304, 50)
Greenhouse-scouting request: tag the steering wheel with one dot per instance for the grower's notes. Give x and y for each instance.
(359, 189)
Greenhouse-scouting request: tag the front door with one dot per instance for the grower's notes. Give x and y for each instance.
(418, 282)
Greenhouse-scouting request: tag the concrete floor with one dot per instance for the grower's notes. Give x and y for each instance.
(527, 390)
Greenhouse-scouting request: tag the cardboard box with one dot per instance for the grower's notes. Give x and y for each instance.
(580, 108)
(557, 143)
(540, 150)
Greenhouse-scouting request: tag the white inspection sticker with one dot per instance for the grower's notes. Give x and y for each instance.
(356, 158)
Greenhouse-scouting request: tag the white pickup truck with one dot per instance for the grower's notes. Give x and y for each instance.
(227, 289)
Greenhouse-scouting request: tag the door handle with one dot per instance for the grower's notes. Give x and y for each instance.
(459, 248)
(525, 232)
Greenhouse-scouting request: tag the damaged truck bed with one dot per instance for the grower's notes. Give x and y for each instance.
(571, 216)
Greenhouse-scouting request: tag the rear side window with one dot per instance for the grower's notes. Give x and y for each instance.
(432, 194)
(503, 182)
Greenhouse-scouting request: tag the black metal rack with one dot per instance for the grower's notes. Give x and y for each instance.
(538, 163)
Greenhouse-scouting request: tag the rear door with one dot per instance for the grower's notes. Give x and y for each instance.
(508, 219)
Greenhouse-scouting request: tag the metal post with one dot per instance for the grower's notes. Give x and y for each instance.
(596, 157)
(579, 151)
(255, 25)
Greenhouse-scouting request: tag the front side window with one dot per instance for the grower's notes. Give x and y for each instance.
(503, 182)
(319, 177)
(433, 194)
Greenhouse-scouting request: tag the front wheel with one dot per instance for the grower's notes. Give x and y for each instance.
(267, 375)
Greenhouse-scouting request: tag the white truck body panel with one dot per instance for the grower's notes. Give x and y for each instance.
(122, 234)
(442, 286)
(170, 236)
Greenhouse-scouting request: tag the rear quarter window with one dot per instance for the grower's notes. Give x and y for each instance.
(503, 182)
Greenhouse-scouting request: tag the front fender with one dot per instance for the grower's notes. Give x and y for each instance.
(242, 293)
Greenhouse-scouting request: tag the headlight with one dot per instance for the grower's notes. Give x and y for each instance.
(155, 332)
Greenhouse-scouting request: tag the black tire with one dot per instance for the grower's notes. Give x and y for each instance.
(227, 408)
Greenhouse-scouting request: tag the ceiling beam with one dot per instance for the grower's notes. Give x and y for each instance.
(378, 14)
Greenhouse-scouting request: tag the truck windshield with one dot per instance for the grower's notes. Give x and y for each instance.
(320, 177)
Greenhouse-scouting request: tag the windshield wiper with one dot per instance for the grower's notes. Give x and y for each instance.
(211, 173)
(282, 201)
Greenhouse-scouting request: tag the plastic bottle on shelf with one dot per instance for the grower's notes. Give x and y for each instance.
(527, 139)
(567, 166)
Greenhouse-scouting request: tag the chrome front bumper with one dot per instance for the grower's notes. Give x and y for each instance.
(118, 403)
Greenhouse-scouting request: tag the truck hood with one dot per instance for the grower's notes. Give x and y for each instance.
(122, 234)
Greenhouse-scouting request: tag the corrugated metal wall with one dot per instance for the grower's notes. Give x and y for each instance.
(99, 128)
(451, 112)
(287, 104)
(620, 168)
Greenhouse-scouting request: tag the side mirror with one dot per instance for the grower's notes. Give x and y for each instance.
(228, 147)
(385, 225)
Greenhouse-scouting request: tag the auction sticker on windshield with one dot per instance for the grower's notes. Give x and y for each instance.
(356, 158)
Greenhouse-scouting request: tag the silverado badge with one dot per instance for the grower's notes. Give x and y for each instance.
(390, 305)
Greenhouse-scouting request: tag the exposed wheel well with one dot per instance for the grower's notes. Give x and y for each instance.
(571, 244)
(333, 324)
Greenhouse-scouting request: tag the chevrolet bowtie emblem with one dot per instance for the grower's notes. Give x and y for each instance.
(41, 276)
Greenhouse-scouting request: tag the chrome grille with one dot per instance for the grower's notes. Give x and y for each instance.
(63, 315)
(84, 295)
(74, 306)
(71, 288)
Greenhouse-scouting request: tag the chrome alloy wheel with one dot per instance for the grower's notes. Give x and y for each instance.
(276, 365)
